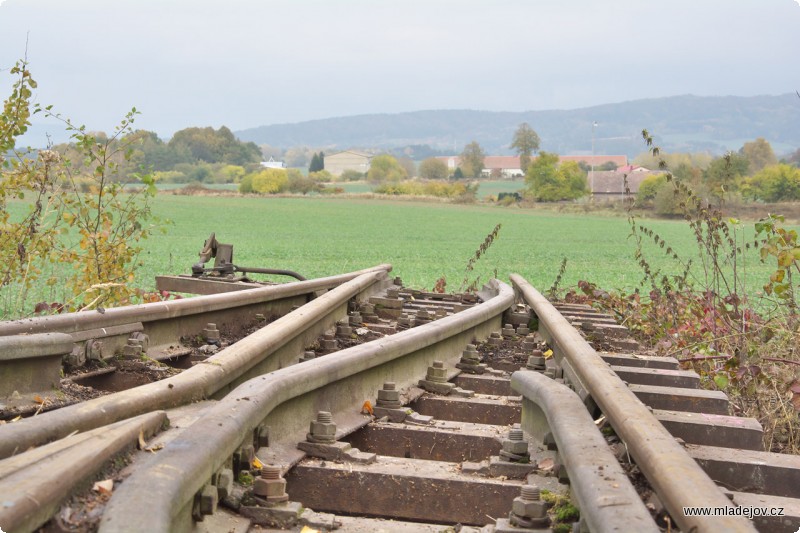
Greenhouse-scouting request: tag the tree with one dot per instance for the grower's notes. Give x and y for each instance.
(549, 181)
(433, 169)
(526, 142)
(759, 153)
(776, 183)
(215, 146)
(471, 160)
(650, 186)
(724, 173)
(385, 168)
(270, 181)
(408, 165)
(317, 163)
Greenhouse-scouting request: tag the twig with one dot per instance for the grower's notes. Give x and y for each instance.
(705, 358)
(780, 360)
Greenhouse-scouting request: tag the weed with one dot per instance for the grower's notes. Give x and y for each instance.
(466, 285)
(704, 316)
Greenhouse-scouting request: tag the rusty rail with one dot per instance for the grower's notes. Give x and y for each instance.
(607, 499)
(201, 381)
(675, 476)
(167, 485)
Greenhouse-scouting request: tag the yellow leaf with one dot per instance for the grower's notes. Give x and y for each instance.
(307, 529)
(548, 354)
(367, 408)
(257, 463)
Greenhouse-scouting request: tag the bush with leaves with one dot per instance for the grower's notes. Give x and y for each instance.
(80, 224)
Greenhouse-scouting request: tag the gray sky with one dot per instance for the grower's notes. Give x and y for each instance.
(245, 63)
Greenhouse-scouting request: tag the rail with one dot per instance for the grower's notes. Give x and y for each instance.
(167, 486)
(675, 476)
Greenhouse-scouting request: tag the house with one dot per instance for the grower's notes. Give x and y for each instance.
(508, 166)
(347, 160)
(611, 184)
(273, 164)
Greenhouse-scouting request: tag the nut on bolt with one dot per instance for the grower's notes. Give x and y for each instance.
(515, 442)
(527, 509)
(211, 333)
(437, 372)
(207, 500)
(389, 396)
(270, 485)
(323, 429)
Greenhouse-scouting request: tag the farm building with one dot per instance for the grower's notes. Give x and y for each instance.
(347, 160)
(508, 166)
(273, 164)
(610, 184)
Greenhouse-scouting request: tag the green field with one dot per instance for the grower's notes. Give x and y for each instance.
(423, 241)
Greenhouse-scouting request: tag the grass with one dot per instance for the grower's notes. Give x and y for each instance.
(423, 241)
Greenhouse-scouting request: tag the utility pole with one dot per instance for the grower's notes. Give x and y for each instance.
(591, 178)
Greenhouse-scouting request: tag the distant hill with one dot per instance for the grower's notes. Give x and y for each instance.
(714, 124)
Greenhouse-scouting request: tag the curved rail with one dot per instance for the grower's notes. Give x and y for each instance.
(675, 476)
(606, 498)
(201, 381)
(167, 484)
(152, 312)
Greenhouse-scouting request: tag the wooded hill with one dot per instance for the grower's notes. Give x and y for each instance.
(679, 123)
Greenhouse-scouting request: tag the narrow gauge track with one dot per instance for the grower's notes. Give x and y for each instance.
(451, 456)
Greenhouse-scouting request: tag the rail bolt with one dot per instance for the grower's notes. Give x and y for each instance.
(77, 357)
(211, 333)
(133, 348)
(508, 331)
(515, 442)
(536, 362)
(142, 338)
(528, 504)
(388, 396)
(323, 429)
(224, 483)
(437, 372)
(270, 485)
(495, 339)
(470, 353)
(207, 500)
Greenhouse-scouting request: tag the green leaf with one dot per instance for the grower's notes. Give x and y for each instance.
(721, 381)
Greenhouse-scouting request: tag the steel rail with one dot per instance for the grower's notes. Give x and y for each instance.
(152, 312)
(605, 496)
(166, 484)
(676, 477)
(34, 487)
(198, 382)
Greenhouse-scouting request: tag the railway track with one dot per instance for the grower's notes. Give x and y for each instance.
(356, 404)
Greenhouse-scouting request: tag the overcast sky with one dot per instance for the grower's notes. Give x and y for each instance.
(245, 63)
